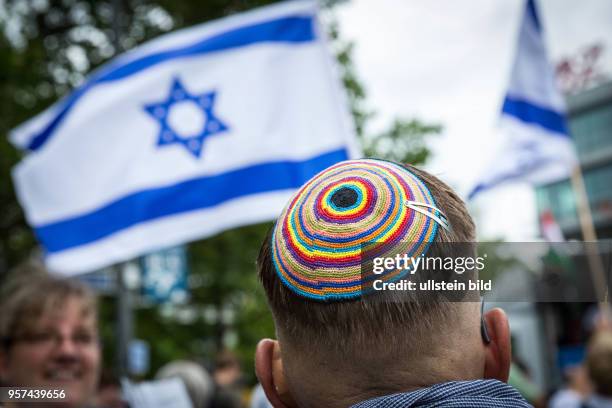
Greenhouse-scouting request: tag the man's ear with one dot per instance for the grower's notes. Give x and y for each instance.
(269, 370)
(498, 352)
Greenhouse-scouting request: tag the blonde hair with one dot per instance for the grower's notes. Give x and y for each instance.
(599, 363)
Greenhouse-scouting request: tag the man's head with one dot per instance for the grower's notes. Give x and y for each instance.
(337, 346)
(49, 336)
(199, 383)
(599, 362)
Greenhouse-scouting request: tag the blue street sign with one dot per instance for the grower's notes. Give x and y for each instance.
(164, 275)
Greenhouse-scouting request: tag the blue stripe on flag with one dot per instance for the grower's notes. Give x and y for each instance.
(531, 113)
(189, 195)
(533, 12)
(286, 29)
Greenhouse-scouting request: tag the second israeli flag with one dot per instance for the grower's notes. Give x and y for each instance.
(537, 147)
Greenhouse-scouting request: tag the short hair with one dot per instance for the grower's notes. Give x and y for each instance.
(599, 363)
(359, 323)
(198, 382)
(30, 294)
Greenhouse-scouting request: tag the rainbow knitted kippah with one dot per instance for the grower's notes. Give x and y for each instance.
(317, 241)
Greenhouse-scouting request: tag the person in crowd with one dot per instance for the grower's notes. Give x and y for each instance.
(109, 394)
(49, 336)
(341, 344)
(229, 380)
(575, 389)
(198, 382)
(599, 368)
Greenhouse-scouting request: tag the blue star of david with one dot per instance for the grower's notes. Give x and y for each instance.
(168, 136)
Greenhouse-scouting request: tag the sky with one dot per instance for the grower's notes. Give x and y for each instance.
(448, 62)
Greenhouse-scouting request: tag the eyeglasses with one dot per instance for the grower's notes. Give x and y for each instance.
(483, 325)
(48, 339)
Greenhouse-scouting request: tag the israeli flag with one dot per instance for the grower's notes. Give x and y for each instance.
(193, 133)
(537, 147)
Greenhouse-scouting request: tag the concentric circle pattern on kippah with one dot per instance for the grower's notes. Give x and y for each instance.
(317, 241)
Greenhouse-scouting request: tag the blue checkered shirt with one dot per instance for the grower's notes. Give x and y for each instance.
(455, 394)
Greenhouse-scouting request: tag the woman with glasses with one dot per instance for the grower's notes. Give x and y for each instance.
(49, 349)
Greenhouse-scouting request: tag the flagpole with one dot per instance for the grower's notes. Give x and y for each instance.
(125, 320)
(589, 235)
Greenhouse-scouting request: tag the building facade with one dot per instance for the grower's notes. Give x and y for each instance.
(569, 324)
(590, 124)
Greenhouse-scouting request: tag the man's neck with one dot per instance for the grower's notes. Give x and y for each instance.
(345, 387)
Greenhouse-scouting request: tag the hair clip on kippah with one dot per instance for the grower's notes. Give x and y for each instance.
(416, 206)
(319, 237)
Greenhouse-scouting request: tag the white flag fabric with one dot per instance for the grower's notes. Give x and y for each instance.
(195, 132)
(537, 147)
